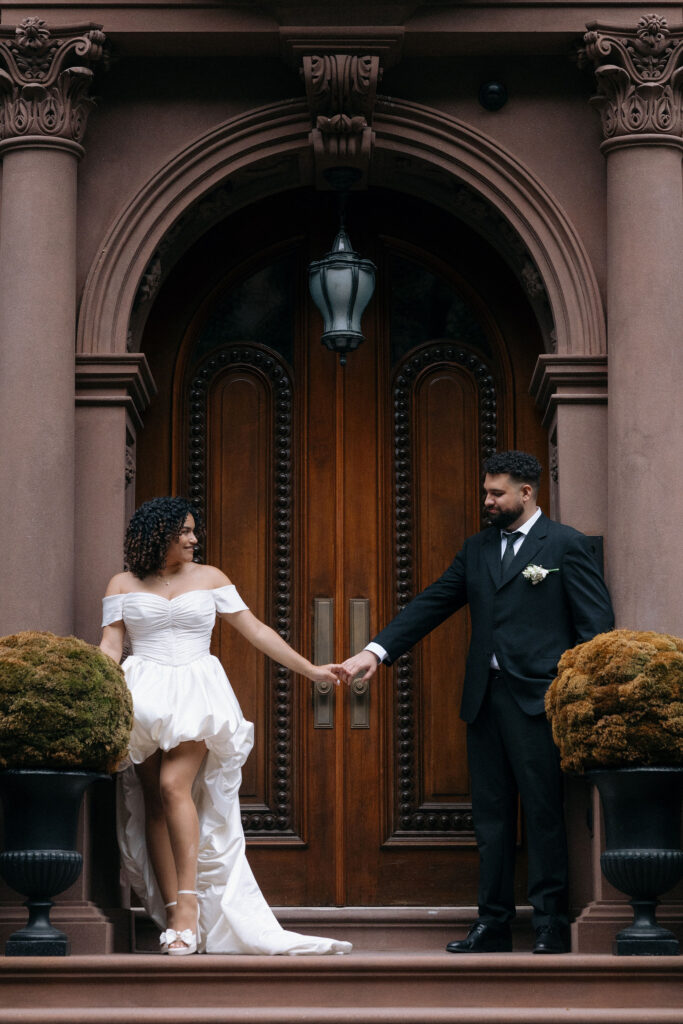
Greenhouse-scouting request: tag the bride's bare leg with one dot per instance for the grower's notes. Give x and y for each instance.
(156, 831)
(179, 768)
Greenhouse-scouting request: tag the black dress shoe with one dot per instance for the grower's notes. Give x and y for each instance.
(483, 938)
(551, 938)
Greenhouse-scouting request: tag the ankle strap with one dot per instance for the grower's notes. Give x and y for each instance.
(189, 892)
(173, 903)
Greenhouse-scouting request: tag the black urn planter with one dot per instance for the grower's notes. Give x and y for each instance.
(39, 858)
(642, 857)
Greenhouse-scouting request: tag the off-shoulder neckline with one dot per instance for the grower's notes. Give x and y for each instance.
(170, 600)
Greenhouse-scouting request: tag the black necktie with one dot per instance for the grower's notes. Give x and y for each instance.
(509, 552)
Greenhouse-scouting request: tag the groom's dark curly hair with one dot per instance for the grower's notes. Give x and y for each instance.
(152, 528)
(522, 467)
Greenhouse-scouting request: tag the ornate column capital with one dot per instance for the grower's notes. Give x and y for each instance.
(640, 80)
(341, 89)
(45, 80)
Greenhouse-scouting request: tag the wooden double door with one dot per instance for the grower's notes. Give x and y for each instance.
(332, 494)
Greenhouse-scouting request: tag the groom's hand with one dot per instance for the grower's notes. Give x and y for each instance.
(361, 666)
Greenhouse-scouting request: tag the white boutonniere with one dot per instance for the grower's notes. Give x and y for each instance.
(536, 573)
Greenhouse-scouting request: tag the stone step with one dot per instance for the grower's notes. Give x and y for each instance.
(377, 987)
(426, 929)
(371, 929)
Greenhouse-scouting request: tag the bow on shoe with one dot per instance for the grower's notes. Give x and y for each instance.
(186, 936)
(171, 935)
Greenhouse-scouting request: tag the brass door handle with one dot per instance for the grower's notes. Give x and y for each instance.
(323, 651)
(359, 635)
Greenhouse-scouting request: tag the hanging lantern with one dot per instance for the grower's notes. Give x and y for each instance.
(341, 285)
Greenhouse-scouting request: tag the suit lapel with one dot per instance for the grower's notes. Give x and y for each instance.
(492, 554)
(533, 542)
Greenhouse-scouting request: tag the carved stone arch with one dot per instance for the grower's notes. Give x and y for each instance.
(248, 158)
(436, 157)
(417, 150)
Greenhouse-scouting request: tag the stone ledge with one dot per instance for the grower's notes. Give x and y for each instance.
(345, 1015)
(509, 985)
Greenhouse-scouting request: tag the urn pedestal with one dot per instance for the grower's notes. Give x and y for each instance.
(642, 856)
(39, 858)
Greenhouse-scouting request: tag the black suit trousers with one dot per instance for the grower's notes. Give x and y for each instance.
(511, 752)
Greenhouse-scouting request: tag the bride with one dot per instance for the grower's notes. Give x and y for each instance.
(179, 826)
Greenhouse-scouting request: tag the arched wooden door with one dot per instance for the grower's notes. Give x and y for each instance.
(332, 494)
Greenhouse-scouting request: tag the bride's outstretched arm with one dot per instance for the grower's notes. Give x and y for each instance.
(267, 640)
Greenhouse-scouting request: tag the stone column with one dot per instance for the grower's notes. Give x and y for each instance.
(640, 99)
(43, 113)
(44, 82)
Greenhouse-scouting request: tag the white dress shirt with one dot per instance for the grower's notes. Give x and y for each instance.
(522, 530)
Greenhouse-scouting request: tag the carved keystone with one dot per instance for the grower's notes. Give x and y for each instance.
(45, 81)
(341, 90)
(640, 77)
(341, 67)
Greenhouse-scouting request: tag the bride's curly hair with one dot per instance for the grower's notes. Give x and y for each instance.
(152, 528)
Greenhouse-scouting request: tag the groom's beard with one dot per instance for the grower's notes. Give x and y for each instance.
(504, 519)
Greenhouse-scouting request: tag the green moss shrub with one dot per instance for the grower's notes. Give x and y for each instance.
(617, 702)
(63, 704)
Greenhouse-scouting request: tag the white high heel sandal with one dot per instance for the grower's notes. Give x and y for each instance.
(186, 936)
(163, 941)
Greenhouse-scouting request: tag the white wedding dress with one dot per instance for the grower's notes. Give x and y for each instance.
(180, 692)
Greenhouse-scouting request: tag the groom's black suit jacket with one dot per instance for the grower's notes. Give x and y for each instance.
(528, 626)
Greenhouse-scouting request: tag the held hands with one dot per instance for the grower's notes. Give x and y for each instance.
(327, 674)
(361, 666)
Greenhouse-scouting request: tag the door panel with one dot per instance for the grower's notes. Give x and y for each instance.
(240, 471)
(347, 489)
(409, 829)
(444, 448)
(239, 455)
(443, 399)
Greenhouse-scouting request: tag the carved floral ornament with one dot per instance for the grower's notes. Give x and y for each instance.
(43, 90)
(341, 90)
(640, 77)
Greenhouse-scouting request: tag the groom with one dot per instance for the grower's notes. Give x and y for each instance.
(522, 621)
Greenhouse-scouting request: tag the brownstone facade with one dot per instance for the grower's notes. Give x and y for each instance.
(154, 165)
